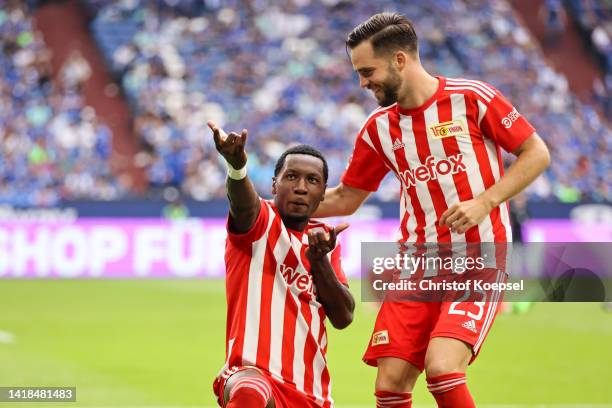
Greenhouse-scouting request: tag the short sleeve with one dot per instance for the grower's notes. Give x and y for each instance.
(336, 263)
(366, 169)
(504, 124)
(255, 232)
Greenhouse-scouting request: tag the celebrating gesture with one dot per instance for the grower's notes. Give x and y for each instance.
(321, 243)
(231, 146)
(264, 258)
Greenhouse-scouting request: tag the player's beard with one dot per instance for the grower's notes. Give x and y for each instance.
(390, 89)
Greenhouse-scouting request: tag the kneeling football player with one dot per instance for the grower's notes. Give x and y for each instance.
(283, 280)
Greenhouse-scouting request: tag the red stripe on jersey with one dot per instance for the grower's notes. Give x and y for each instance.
(310, 346)
(451, 148)
(419, 129)
(325, 374)
(236, 308)
(484, 165)
(395, 133)
(265, 313)
(291, 311)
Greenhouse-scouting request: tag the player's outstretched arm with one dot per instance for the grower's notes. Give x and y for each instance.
(532, 159)
(244, 201)
(340, 201)
(336, 298)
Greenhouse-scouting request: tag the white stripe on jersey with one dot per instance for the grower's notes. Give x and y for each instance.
(367, 121)
(482, 110)
(447, 182)
(251, 329)
(485, 228)
(318, 361)
(277, 320)
(366, 138)
(425, 199)
(469, 88)
(384, 136)
(490, 313)
(486, 89)
(301, 326)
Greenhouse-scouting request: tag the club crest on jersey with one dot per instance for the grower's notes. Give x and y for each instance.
(380, 337)
(453, 128)
(301, 281)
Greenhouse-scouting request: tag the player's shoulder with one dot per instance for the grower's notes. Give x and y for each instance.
(375, 114)
(471, 88)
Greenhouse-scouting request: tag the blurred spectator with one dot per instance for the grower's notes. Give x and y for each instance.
(282, 71)
(175, 209)
(594, 19)
(53, 147)
(554, 17)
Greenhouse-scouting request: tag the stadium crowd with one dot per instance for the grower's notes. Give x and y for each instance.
(594, 18)
(52, 145)
(282, 71)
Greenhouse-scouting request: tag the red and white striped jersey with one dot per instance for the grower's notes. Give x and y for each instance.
(274, 320)
(443, 152)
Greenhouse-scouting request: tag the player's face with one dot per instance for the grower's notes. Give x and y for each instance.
(376, 73)
(299, 187)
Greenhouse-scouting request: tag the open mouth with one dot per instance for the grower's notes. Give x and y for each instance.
(298, 203)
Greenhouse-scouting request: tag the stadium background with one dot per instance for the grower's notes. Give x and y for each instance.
(105, 156)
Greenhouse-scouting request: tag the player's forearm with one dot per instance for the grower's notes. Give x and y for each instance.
(336, 299)
(340, 201)
(244, 202)
(532, 160)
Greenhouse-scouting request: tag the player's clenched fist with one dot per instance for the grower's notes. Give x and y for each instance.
(321, 242)
(231, 146)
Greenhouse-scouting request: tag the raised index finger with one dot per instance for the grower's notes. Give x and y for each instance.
(215, 129)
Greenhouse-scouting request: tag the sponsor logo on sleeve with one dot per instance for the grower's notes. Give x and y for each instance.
(510, 118)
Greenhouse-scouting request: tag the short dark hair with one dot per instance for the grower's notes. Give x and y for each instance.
(301, 149)
(387, 32)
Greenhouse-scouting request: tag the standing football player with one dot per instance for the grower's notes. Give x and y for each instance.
(442, 137)
(284, 279)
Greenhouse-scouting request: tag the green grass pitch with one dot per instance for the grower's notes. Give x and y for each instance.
(160, 343)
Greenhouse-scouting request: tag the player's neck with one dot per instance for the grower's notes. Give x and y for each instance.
(420, 87)
(298, 225)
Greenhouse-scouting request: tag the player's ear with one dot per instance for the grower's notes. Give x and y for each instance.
(400, 59)
(274, 185)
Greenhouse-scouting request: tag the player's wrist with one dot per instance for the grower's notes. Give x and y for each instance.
(236, 174)
(489, 201)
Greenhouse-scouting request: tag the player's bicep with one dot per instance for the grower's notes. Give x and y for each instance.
(242, 220)
(255, 230)
(534, 141)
